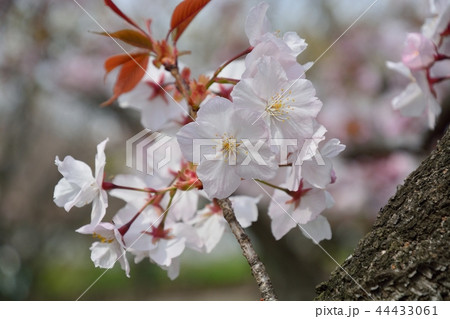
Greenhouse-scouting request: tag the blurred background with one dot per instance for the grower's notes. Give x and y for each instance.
(51, 85)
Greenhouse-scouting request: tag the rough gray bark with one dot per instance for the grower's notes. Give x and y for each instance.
(406, 255)
(257, 267)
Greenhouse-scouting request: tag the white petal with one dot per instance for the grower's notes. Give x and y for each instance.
(255, 159)
(281, 215)
(245, 209)
(257, 23)
(125, 214)
(185, 137)
(332, 148)
(135, 237)
(329, 200)
(269, 77)
(99, 205)
(86, 229)
(405, 101)
(399, 67)
(106, 230)
(245, 97)
(123, 261)
(219, 178)
(189, 233)
(174, 269)
(184, 205)
(100, 161)
(317, 229)
(311, 205)
(64, 193)
(103, 255)
(211, 231)
(85, 196)
(130, 195)
(434, 109)
(159, 113)
(166, 250)
(74, 171)
(295, 43)
(303, 97)
(317, 175)
(216, 111)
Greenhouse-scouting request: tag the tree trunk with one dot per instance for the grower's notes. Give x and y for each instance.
(406, 255)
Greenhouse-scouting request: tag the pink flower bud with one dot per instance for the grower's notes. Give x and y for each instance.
(419, 52)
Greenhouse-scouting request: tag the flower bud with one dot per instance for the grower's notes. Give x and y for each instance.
(419, 52)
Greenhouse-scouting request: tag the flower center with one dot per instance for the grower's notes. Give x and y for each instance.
(297, 195)
(214, 208)
(103, 239)
(278, 106)
(228, 146)
(159, 233)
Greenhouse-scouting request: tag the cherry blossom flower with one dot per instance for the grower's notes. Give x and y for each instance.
(184, 204)
(159, 110)
(423, 59)
(79, 187)
(285, 50)
(301, 207)
(419, 52)
(109, 249)
(238, 117)
(417, 97)
(173, 271)
(288, 107)
(317, 170)
(257, 24)
(436, 26)
(211, 225)
(230, 135)
(161, 242)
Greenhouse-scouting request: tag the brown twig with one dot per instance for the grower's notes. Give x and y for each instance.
(258, 270)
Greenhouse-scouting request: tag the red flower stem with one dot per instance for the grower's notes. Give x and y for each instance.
(166, 212)
(287, 191)
(108, 186)
(226, 81)
(440, 57)
(437, 80)
(213, 78)
(124, 228)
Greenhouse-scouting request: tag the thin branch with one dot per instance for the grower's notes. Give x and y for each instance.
(258, 270)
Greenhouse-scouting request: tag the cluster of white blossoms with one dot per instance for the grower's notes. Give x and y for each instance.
(425, 61)
(260, 128)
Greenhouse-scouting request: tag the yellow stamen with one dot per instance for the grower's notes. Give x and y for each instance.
(229, 146)
(278, 106)
(102, 239)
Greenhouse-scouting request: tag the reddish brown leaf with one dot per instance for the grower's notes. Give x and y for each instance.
(119, 12)
(183, 14)
(130, 74)
(135, 38)
(113, 62)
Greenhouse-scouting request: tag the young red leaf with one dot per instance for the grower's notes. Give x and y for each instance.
(119, 12)
(135, 38)
(113, 62)
(129, 76)
(183, 14)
